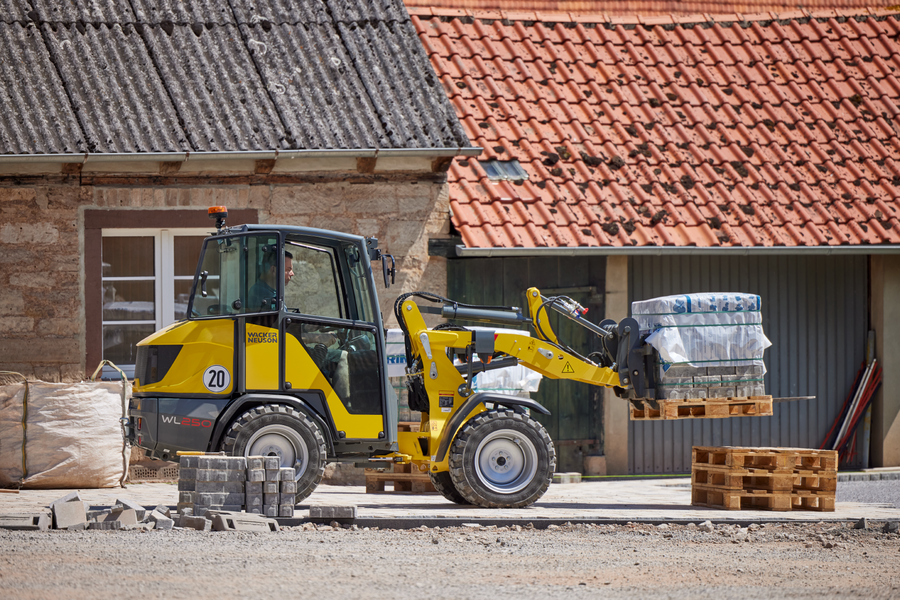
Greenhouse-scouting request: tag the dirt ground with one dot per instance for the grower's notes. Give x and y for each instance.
(825, 560)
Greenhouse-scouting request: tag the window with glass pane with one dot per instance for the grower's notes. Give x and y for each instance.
(146, 279)
(186, 253)
(359, 279)
(315, 287)
(239, 275)
(129, 294)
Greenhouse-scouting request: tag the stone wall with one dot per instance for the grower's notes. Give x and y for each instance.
(42, 239)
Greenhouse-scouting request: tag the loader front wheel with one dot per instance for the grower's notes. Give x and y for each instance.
(502, 459)
(282, 431)
(444, 484)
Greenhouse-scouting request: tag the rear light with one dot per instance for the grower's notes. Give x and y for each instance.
(139, 440)
(140, 422)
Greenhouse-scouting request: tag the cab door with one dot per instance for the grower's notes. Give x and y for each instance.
(332, 345)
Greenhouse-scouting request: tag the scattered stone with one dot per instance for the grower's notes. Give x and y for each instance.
(68, 513)
(332, 512)
(32, 522)
(161, 521)
(707, 526)
(126, 516)
(198, 523)
(891, 527)
(139, 510)
(163, 510)
(105, 525)
(662, 526)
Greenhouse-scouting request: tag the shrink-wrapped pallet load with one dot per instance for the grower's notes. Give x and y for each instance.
(709, 345)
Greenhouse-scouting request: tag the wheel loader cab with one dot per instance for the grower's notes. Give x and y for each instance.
(283, 317)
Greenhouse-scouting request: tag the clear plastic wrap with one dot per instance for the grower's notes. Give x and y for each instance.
(710, 345)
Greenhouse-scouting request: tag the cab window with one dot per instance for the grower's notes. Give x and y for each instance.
(238, 275)
(315, 288)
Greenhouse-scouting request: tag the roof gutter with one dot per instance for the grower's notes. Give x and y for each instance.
(463, 252)
(239, 154)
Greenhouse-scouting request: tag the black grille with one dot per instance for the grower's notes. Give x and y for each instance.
(153, 362)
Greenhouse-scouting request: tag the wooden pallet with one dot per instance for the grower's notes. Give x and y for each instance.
(794, 459)
(702, 408)
(782, 501)
(402, 477)
(763, 479)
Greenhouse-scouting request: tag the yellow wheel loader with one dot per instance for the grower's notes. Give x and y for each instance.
(283, 354)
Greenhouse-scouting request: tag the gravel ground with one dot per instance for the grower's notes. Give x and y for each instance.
(825, 560)
(873, 492)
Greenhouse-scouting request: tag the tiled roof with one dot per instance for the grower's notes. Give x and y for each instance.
(133, 76)
(753, 131)
(646, 7)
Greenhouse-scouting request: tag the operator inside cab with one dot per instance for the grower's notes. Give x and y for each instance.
(263, 295)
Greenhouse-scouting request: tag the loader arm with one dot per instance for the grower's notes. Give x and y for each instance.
(445, 388)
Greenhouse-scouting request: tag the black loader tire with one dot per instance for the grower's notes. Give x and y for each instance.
(279, 430)
(444, 484)
(502, 459)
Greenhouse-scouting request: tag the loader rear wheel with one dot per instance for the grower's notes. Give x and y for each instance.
(444, 484)
(502, 459)
(282, 431)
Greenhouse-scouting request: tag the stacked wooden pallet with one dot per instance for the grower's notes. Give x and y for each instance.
(701, 408)
(779, 479)
(406, 478)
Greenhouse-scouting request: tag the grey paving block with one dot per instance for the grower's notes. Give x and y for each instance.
(270, 510)
(256, 462)
(105, 525)
(186, 497)
(286, 510)
(68, 514)
(198, 523)
(209, 499)
(30, 522)
(243, 522)
(332, 512)
(270, 499)
(185, 508)
(187, 485)
(126, 516)
(163, 510)
(287, 499)
(162, 522)
(253, 500)
(128, 503)
(273, 474)
(256, 474)
(222, 475)
(97, 515)
(189, 462)
(70, 497)
(254, 487)
(255, 510)
(187, 474)
(286, 474)
(270, 487)
(288, 487)
(220, 487)
(272, 462)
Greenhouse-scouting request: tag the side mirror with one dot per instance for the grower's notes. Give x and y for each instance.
(392, 271)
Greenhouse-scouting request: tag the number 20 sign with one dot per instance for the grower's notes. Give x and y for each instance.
(216, 378)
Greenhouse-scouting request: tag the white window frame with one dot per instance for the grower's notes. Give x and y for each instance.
(163, 275)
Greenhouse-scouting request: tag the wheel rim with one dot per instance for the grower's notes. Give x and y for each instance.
(506, 461)
(283, 442)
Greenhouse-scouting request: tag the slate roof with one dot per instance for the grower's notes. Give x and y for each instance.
(647, 7)
(120, 76)
(750, 132)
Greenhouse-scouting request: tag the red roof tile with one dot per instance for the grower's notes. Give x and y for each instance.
(651, 11)
(760, 130)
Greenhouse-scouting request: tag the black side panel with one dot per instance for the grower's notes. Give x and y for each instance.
(153, 362)
(187, 423)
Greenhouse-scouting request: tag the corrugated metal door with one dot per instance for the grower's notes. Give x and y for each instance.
(814, 312)
(575, 420)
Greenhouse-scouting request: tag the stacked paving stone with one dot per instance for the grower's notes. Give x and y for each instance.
(271, 488)
(211, 483)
